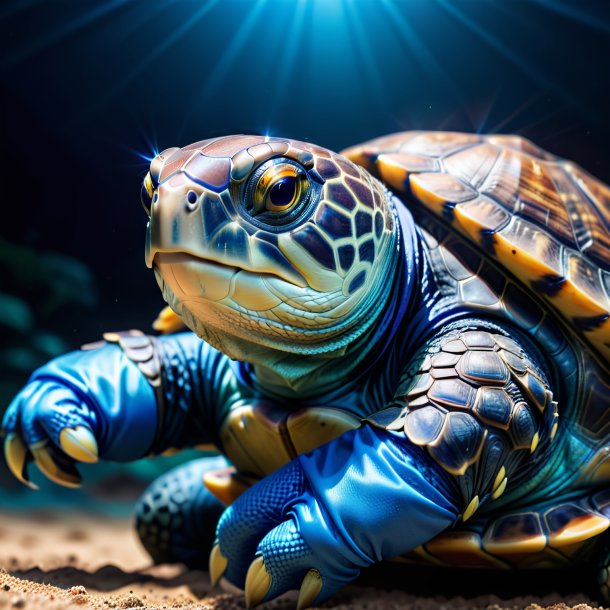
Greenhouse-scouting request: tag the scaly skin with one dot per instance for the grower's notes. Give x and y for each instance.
(374, 405)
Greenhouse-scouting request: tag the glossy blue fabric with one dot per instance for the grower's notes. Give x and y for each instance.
(362, 498)
(101, 389)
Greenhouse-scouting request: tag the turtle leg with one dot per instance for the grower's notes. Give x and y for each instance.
(176, 516)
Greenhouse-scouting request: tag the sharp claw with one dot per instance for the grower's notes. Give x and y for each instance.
(218, 564)
(310, 587)
(15, 453)
(79, 443)
(258, 583)
(50, 469)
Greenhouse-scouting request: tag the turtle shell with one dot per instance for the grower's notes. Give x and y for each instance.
(550, 535)
(543, 219)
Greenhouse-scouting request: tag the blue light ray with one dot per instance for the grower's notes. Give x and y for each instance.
(363, 50)
(288, 59)
(148, 59)
(541, 121)
(555, 134)
(411, 39)
(526, 105)
(223, 67)
(127, 27)
(54, 36)
(485, 110)
(140, 156)
(560, 8)
(504, 50)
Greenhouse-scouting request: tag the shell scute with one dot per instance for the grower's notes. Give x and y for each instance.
(472, 165)
(520, 144)
(485, 367)
(440, 190)
(423, 426)
(556, 240)
(444, 359)
(456, 346)
(452, 393)
(479, 339)
(439, 143)
(494, 406)
(462, 548)
(459, 444)
(516, 533)
(527, 250)
(522, 427)
(456, 266)
(517, 364)
(569, 523)
(481, 218)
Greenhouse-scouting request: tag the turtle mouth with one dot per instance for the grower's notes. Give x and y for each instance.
(201, 277)
(215, 267)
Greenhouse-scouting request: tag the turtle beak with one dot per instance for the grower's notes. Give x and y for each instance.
(147, 194)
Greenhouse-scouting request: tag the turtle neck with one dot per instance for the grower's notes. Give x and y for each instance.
(323, 374)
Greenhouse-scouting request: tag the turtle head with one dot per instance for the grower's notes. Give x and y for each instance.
(268, 243)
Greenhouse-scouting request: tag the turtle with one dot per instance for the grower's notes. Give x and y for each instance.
(399, 352)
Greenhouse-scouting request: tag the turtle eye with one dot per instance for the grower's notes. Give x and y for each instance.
(278, 189)
(282, 194)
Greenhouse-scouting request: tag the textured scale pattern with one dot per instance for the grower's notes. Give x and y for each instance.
(257, 509)
(288, 487)
(463, 276)
(543, 219)
(176, 516)
(285, 540)
(545, 536)
(471, 385)
(470, 326)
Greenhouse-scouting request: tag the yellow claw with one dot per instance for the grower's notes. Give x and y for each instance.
(535, 441)
(258, 583)
(310, 588)
(218, 564)
(79, 443)
(471, 509)
(50, 469)
(15, 453)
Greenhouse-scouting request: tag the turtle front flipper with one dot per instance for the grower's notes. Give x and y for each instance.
(473, 417)
(482, 408)
(121, 399)
(314, 523)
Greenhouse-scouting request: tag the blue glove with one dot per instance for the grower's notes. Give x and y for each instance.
(77, 408)
(313, 524)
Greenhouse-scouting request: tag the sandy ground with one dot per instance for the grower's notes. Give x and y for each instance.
(52, 561)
